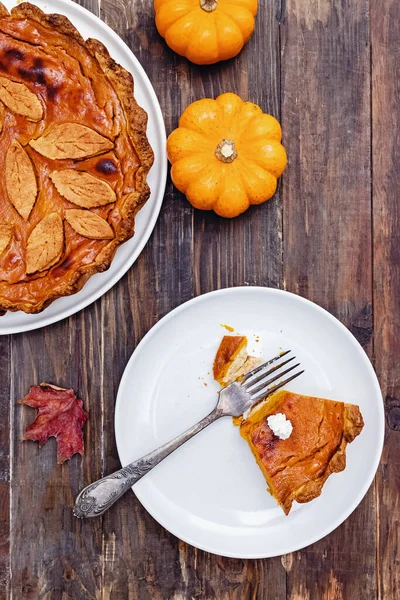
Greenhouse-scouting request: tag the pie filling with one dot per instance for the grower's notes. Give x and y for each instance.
(296, 468)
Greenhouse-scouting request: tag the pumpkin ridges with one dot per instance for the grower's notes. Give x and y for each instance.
(183, 142)
(193, 117)
(179, 35)
(215, 35)
(186, 168)
(263, 126)
(208, 180)
(203, 189)
(168, 14)
(229, 36)
(269, 155)
(158, 4)
(205, 41)
(231, 187)
(260, 185)
(248, 113)
(250, 110)
(230, 106)
(252, 5)
(242, 18)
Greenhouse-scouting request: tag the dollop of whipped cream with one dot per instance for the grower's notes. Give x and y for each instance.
(280, 425)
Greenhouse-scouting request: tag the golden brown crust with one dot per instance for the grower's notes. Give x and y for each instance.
(297, 468)
(136, 118)
(229, 349)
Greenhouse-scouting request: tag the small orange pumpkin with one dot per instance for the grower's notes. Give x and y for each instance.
(226, 154)
(206, 31)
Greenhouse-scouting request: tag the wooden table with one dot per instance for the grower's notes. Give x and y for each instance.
(330, 71)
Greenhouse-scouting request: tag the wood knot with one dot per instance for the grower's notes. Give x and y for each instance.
(287, 562)
(69, 574)
(393, 417)
(30, 589)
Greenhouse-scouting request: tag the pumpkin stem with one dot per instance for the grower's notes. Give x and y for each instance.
(208, 5)
(225, 151)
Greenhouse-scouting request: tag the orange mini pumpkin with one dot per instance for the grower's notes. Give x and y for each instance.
(226, 154)
(206, 31)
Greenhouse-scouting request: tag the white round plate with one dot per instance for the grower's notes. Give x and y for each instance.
(90, 26)
(211, 493)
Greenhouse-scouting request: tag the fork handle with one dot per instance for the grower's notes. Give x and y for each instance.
(97, 497)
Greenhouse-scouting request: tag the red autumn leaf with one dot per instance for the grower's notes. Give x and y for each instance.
(60, 415)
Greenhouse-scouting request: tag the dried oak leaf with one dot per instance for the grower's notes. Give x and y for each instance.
(20, 179)
(71, 140)
(45, 243)
(82, 189)
(20, 100)
(6, 232)
(60, 415)
(89, 224)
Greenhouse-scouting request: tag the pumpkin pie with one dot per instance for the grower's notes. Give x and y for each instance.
(232, 360)
(74, 158)
(296, 468)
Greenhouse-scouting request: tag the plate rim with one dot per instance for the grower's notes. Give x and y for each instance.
(162, 176)
(380, 440)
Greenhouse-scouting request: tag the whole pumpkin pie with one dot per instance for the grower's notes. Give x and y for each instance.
(297, 467)
(74, 157)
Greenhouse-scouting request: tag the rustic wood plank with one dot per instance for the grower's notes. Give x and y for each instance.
(327, 232)
(141, 558)
(4, 465)
(4, 526)
(385, 31)
(327, 189)
(63, 556)
(92, 5)
(53, 555)
(246, 250)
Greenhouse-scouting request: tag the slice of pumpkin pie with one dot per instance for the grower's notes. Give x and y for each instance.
(298, 441)
(232, 360)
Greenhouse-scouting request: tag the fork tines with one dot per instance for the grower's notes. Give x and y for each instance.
(264, 380)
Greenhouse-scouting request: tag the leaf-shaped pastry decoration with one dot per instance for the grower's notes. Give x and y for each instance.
(71, 140)
(82, 188)
(45, 243)
(6, 232)
(89, 224)
(20, 179)
(20, 100)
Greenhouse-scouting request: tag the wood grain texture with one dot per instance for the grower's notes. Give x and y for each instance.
(327, 232)
(385, 32)
(189, 253)
(5, 376)
(51, 554)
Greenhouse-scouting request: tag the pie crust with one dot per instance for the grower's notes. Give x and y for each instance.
(296, 468)
(74, 158)
(230, 356)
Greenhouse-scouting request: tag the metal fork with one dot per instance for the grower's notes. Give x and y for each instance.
(234, 400)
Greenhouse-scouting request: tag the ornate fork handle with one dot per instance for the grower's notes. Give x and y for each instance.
(97, 497)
